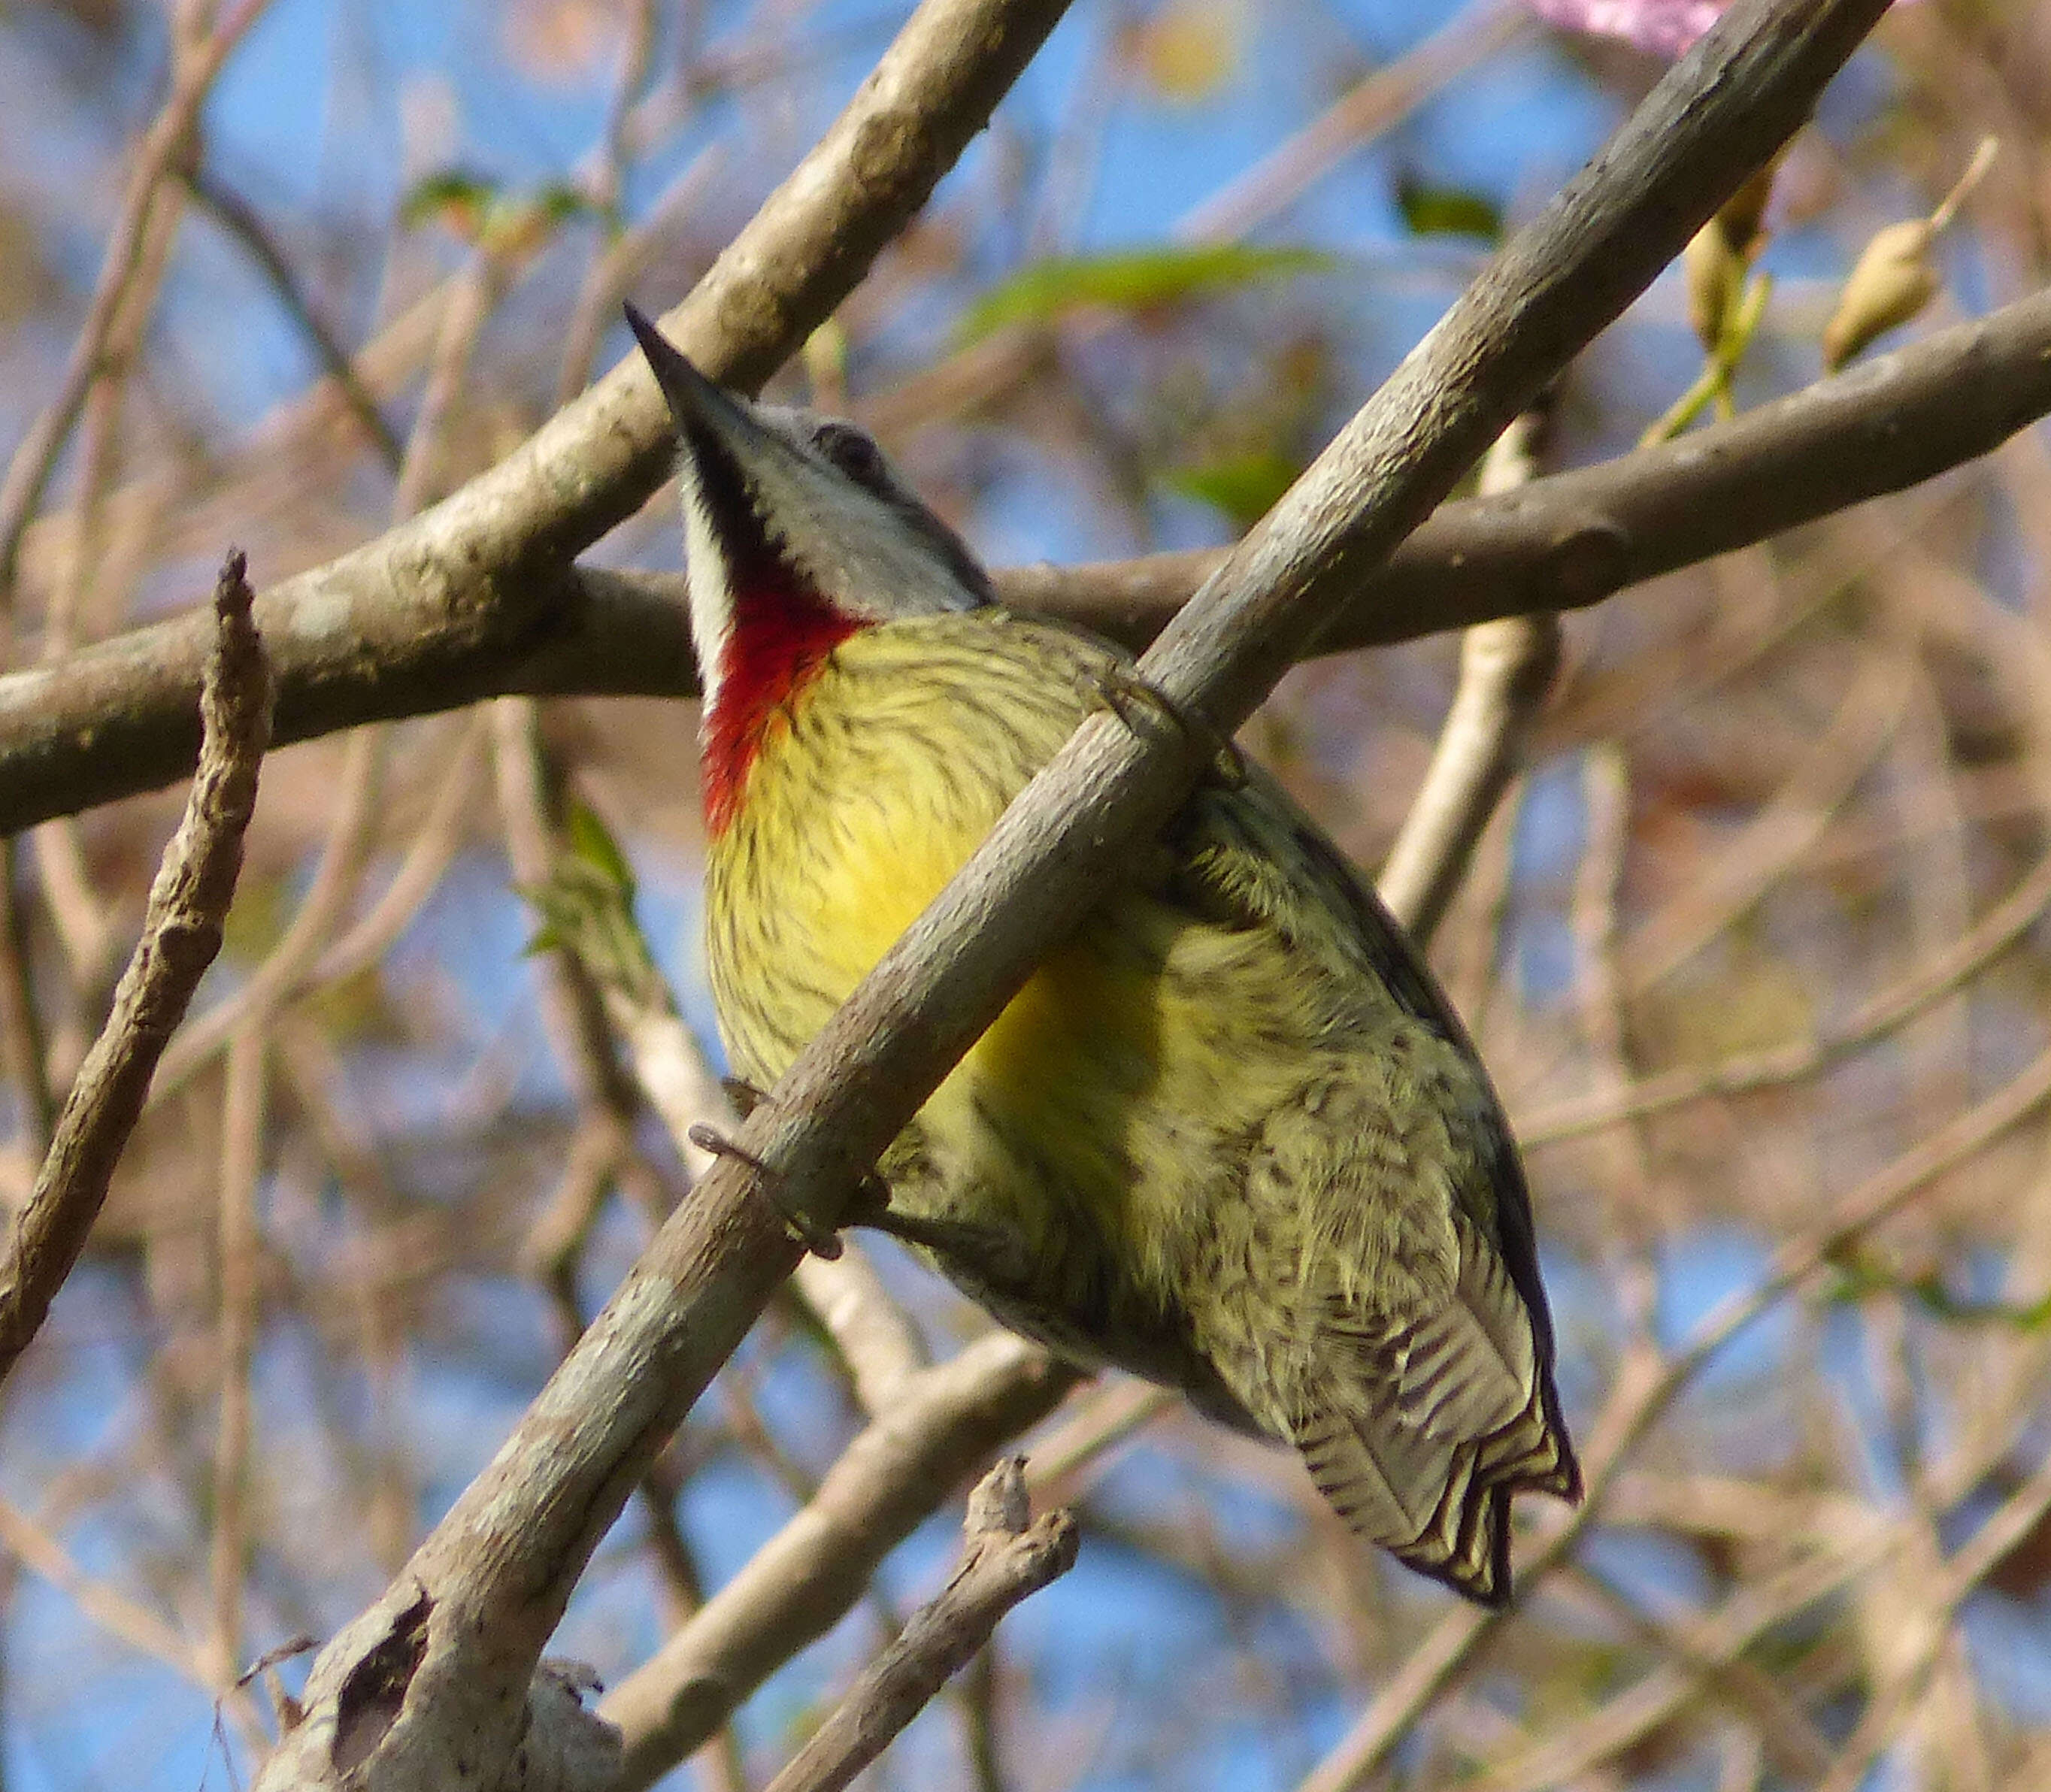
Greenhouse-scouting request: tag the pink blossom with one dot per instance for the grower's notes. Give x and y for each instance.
(1663, 27)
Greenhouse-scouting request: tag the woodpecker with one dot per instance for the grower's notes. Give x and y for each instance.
(1230, 1137)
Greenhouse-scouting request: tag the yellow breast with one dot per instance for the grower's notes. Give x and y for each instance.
(866, 796)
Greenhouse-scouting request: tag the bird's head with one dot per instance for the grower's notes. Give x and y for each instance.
(793, 518)
(797, 534)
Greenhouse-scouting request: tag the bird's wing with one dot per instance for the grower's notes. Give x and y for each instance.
(1250, 857)
(1418, 1414)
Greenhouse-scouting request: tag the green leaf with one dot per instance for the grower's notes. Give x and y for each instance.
(455, 196)
(517, 227)
(1446, 211)
(592, 841)
(1244, 487)
(1859, 1276)
(1134, 280)
(560, 202)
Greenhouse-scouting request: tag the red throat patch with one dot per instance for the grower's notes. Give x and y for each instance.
(781, 635)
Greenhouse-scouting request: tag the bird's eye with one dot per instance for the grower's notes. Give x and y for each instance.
(853, 453)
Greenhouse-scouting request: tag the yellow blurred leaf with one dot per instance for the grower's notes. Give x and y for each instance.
(1189, 49)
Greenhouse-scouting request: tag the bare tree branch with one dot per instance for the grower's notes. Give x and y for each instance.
(115, 718)
(1005, 1558)
(1506, 672)
(240, 219)
(181, 934)
(942, 1423)
(1364, 111)
(200, 60)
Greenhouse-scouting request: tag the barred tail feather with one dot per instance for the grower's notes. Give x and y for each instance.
(1419, 1430)
(1441, 1507)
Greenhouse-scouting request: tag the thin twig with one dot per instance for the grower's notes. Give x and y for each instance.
(290, 969)
(1371, 107)
(239, 218)
(169, 138)
(597, 297)
(1716, 1646)
(1506, 671)
(1006, 1558)
(99, 428)
(1606, 806)
(352, 836)
(439, 837)
(181, 934)
(1998, 931)
(1817, 785)
(943, 1422)
(1959, 1578)
(137, 248)
(241, 1163)
(108, 1607)
(22, 1046)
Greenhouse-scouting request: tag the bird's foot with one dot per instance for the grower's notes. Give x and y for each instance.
(992, 1257)
(1126, 694)
(908, 1228)
(815, 1238)
(870, 1205)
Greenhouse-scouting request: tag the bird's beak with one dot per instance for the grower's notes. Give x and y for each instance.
(697, 406)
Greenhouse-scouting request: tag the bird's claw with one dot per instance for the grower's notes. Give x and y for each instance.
(1125, 694)
(870, 1204)
(745, 1097)
(815, 1238)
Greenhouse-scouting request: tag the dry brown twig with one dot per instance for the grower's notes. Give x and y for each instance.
(1920, 1650)
(1716, 1644)
(169, 138)
(1946, 971)
(243, 1107)
(110, 1609)
(240, 219)
(119, 303)
(181, 934)
(943, 1423)
(1006, 1557)
(293, 966)
(1367, 109)
(1506, 671)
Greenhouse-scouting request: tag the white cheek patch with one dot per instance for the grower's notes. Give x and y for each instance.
(853, 548)
(711, 589)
